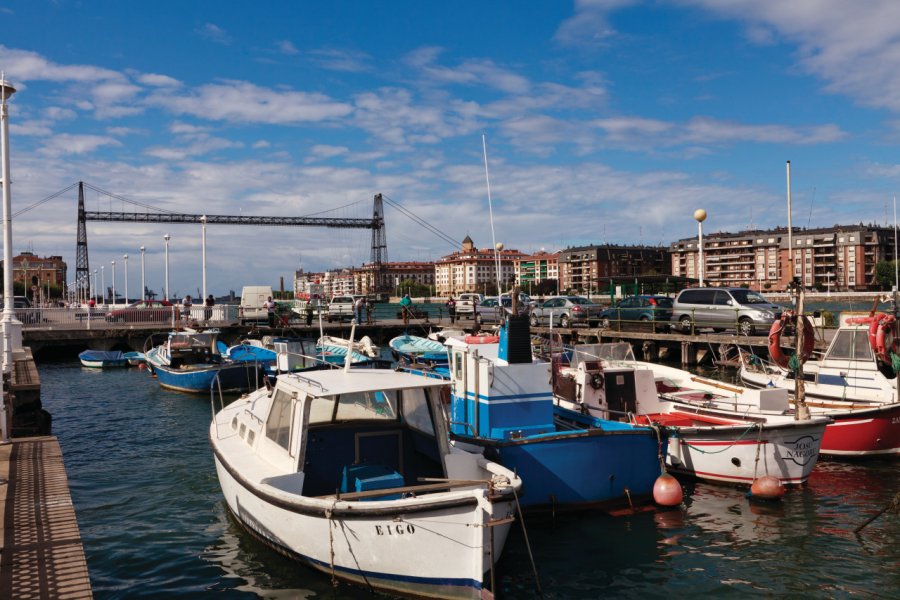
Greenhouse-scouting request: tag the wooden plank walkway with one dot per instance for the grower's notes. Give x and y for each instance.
(42, 556)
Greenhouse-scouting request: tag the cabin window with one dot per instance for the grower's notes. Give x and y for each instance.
(458, 363)
(415, 410)
(278, 425)
(367, 405)
(862, 350)
(851, 344)
(321, 410)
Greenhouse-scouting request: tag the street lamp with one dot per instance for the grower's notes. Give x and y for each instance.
(143, 287)
(203, 225)
(93, 286)
(102, 285)
(167, 237)
(12, 327)
(700, 216)
(125, 258)
(114, 282)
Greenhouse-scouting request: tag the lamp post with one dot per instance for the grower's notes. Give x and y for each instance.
(167, 237)
(143, 286)
(700, 216)
(125, 258)
(12, 327)
(203, 226)
(102, 285)
(113, 282)
(93, 287)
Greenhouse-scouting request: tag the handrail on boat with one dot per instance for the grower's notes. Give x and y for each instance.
(212, 400)
(431, 485)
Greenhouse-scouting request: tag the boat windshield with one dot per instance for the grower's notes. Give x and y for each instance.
(748, 297)
(850, 344)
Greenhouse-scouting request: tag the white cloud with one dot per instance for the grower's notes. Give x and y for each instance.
(198, 147)
(325, 151)
(244, 102)
(65, 143)
(287, 47)
(214, 33)
(348, 61)
(157, 80)
(589, 26)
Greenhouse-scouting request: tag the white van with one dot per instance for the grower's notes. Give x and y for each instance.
(253, 303)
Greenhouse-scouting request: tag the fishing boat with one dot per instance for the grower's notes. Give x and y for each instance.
(351, 471)
(103, 359)
(717, 432)
(189, 361)
(413, 348)
(853, 384)
(502, 405)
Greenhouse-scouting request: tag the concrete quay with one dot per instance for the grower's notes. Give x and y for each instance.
(42, 556)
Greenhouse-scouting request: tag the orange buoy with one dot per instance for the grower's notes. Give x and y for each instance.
(767, 488)
(141, 366)
(667, 491)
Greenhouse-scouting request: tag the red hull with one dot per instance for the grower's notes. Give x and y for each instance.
(870, 432)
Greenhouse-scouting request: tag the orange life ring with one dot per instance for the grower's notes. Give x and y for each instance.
(809, 339)
(482, 339)
(882, 327)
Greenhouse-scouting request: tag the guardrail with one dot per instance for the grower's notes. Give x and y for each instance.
(112, 317)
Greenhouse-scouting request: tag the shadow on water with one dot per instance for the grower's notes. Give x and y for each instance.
(153, 521)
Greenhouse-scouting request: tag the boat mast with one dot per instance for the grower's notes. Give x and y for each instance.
(790, 228)
(491, 211)
(802, 411)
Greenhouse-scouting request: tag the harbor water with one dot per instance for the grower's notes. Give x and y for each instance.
(154, 524)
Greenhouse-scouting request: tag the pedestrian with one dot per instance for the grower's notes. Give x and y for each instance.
(405, 303)
(270, 311)
(208, 307)
(309, 312)
(451, 309)
(369, 308)
(186, 305)
(360, 308)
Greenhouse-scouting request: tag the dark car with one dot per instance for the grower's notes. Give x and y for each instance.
(639, 308)
(142, 311)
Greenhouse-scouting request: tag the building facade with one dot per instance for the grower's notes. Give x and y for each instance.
(369, 279)
(537, 268)
(836, 258)
(37, 274)
(590, 269)
(474, 270)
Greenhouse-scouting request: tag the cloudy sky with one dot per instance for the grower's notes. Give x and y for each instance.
(605, 120)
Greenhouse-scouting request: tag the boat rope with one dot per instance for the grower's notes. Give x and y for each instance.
(732, 444)
(328, 514)
(537, 579)
(892, 506)
(659, 448)
(758, 444)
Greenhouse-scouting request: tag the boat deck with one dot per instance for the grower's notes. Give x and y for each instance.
(42, 555)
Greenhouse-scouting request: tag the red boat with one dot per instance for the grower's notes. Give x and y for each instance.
(866, 431)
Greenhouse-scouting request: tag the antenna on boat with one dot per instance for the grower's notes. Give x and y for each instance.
(790, 228)
(491, 211)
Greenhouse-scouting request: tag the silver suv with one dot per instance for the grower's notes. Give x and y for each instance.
(740, 309)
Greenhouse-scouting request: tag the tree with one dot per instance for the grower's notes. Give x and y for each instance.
(885, 274)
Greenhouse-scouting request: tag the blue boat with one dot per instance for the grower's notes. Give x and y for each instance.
(417, 349)
(502, 403)
(103, 359)
(191, 361)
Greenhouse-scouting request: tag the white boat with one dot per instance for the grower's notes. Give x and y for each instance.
(364, 346)
(717, 432)
(849, 384)
(351, 471)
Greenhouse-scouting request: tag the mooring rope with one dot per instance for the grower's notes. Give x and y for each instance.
(537, 579)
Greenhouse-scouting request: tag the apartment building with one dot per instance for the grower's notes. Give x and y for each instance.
(474, 270)
(589, 269)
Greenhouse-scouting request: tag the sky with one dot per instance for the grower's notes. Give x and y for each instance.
(604, 121)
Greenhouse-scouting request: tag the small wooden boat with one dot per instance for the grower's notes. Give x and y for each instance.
(418, 349)
(351, 472)
(103, 359)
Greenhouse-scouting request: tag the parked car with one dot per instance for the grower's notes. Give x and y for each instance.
(494, 310)
(142, 311)
(342, 308)
(639, 308)
(466, 303)
(565, 311)
(740, 309)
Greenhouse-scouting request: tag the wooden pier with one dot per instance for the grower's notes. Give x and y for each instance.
(42, 556)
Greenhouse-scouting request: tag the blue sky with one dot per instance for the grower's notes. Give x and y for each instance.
(606, 121)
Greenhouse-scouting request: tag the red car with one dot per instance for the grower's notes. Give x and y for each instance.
(142, 311)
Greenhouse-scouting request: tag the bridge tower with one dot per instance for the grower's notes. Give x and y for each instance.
(379, 245)
(82, 268)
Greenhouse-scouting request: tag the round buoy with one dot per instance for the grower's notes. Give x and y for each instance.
(667, 491)
(141, 366)
(767, 488)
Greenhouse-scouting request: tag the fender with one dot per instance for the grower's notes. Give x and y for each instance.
(778, 327)
(482, 339)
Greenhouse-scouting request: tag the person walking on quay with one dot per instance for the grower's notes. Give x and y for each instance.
(451, 309)
(208, 307)
(186, 305)
(405, 303)
(360, 309)
(270, 311)
(369, 308)
(309, 312)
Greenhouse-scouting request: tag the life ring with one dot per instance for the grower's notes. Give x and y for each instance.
(882, 327)
(597, 381)
(482, 339)
(778, 327)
